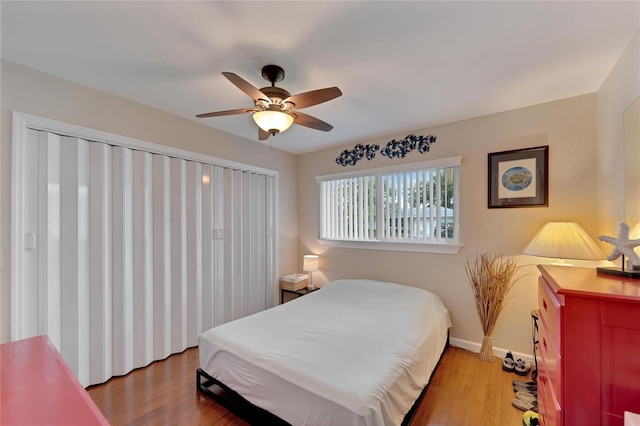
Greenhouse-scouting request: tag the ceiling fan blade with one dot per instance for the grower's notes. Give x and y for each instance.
(262, 135)
(314, 97)
(311, 122)
(245, 86)
(229, 112)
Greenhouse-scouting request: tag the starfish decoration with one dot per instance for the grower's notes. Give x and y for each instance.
(623, 245)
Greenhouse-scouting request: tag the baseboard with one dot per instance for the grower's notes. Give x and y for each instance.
(498, 352)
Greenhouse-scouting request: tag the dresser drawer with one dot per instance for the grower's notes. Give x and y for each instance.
(620, 315)
(550, 312)
(549, 361)
(608, 419)
(549, 409)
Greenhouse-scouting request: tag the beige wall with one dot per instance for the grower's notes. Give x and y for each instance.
(567, 126)
(616, 94)
(29, 91)
(584, 134)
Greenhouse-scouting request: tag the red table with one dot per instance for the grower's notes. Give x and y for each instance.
(38, 388)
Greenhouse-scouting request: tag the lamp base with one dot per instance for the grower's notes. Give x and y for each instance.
(618, 272)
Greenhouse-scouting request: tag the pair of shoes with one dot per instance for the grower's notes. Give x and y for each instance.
(523, 386)
(530, 418)
(508, 363)
(521, 367)
(532, 391)
(525, 405)
(531, 387)
(526, 385)
(526, 396)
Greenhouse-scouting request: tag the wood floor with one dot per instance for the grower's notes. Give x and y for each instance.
(463, 391)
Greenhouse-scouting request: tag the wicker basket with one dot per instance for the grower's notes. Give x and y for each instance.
(286, 285)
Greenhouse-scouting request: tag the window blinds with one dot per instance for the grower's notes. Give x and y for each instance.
(399, 206)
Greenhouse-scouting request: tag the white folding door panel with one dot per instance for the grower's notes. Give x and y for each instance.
(255, 243)
(213, 199)
(195, 239)
(143, 252)
(207, 248)
(178, 255)
(48, 232)
(122, 284)
(248, 222)
(161, 256)
(30, 203)
(100, 262)
(233, 272)
(127, 256)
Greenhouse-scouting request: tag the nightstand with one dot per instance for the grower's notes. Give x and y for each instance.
(298, 293)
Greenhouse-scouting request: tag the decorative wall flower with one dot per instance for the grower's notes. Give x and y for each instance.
(350, 158)
(400, 149)
(393, 149)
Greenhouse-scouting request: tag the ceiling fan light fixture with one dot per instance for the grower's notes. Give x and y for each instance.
(275, 108)
(273, 120)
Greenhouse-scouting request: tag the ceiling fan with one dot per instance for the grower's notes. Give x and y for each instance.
(275, 109)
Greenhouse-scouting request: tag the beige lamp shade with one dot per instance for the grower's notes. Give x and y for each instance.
(563, 240)
(273, 120)
(311, 263)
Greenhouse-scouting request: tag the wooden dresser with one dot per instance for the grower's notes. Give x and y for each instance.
(589, 347)
(38, 388)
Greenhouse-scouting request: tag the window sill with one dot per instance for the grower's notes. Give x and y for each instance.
(441, 248)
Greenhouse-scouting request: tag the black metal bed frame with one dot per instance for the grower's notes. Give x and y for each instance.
(254, 415)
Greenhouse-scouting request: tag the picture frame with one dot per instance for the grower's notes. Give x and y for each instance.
(519, 178)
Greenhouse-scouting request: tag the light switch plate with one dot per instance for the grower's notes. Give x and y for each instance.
(30, 241)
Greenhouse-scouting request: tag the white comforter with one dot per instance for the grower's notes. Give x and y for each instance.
(357, 352)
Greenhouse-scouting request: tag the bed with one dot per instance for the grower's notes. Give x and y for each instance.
(357, 352)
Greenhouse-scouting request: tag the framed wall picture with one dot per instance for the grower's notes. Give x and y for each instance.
(519, 178)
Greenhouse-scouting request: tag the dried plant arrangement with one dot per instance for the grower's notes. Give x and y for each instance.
(491, 278)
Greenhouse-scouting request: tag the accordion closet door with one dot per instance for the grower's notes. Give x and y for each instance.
(125, 256)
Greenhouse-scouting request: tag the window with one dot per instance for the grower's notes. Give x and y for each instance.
(409, 207)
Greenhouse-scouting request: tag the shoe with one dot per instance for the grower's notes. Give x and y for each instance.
(522, 384)
(524, 405)
(522, 368)
(533, 391)
(519, 385)
(530, 418)
(508, 363)
(526, 396)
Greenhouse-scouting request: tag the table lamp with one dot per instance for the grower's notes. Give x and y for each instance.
(311, 264)
(563, 240)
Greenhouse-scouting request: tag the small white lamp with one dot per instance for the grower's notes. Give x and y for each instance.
(563, 240)
(311, 264)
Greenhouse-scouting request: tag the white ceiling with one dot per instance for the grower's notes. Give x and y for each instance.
(402, 66)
